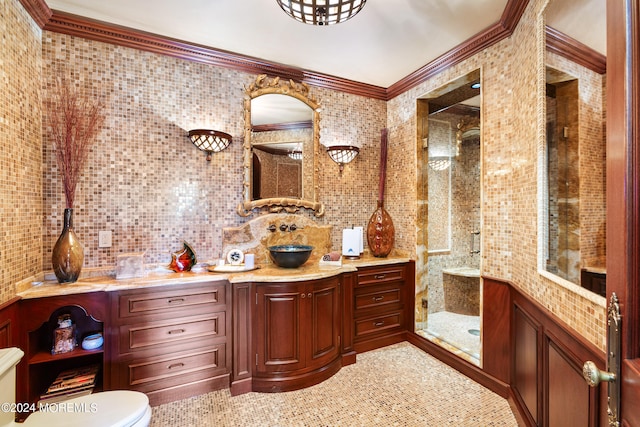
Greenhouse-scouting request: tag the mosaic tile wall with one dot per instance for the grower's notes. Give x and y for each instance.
(511, 138)
(21, 160)
(150, 186)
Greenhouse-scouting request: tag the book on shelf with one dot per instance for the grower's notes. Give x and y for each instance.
(72, 381)
(60, 397)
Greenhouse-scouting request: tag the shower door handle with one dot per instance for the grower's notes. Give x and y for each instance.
(473, 242)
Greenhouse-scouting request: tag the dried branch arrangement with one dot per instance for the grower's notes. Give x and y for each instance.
(75, 120)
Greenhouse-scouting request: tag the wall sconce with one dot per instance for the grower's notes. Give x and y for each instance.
(209, 141)
(342, 154)
(439, 163)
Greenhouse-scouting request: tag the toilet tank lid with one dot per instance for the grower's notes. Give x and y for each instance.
(116, 408)
(9, 357)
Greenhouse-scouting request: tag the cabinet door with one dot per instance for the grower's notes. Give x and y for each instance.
(324, 321)
(278, 329)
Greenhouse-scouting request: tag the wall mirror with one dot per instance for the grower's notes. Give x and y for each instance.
(281, 146)
(572, 248)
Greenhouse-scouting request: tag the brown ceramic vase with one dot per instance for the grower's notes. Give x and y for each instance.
(68, 253)
(380, 232)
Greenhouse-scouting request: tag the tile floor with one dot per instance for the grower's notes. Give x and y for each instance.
(399, 385)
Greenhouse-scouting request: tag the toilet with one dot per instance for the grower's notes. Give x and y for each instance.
(117, 408)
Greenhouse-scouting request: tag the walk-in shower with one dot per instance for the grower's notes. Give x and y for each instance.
(449, 214)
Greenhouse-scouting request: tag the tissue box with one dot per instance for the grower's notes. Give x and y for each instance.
(130, 265)
(352, 242)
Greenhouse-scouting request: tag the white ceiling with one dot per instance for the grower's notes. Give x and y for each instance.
(385, 42)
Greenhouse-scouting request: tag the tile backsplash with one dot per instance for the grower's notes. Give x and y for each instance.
(146, 182)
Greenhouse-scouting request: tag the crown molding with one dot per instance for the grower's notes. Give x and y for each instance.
(575, 51)
(492, 35)
(66, 23)
(38, 10)
(74, 25)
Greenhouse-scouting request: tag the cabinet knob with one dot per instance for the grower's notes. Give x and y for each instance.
(379, 276)
(303, 295)
(175, 300)
(309, 295)
(176, 331)
(380, 323)
(378, 298)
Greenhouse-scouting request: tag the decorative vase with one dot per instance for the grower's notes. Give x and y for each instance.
(380, 230)
(68, 253)
(183, 259)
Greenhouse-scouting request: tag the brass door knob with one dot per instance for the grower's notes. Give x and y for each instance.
(594, 376)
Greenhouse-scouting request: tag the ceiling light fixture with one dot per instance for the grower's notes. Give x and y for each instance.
(342, 154)
(295, 155)
(321, 12)
(296, 152)
(210, 141)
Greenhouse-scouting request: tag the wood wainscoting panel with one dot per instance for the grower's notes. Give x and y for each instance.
(545, 357)
(526, 363)
(496, 330)
(568, 397)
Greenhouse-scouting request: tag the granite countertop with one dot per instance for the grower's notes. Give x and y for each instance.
(104, 279)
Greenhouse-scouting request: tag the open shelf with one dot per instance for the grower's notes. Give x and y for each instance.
(46, 356)
(43, 366)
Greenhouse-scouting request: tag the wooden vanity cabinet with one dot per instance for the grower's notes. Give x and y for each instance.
(296, 333)
(382, 305)
(171, 342)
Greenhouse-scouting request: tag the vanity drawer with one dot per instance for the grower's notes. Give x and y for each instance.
(378, 297)
(143, 336)
(203, 363)
(174, 376)
(378, 325)
(383, 274)
(166, 303)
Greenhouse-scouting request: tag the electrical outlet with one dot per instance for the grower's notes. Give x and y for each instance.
(104, 239)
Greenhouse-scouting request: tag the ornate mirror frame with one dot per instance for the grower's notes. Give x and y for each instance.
(262, 86)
